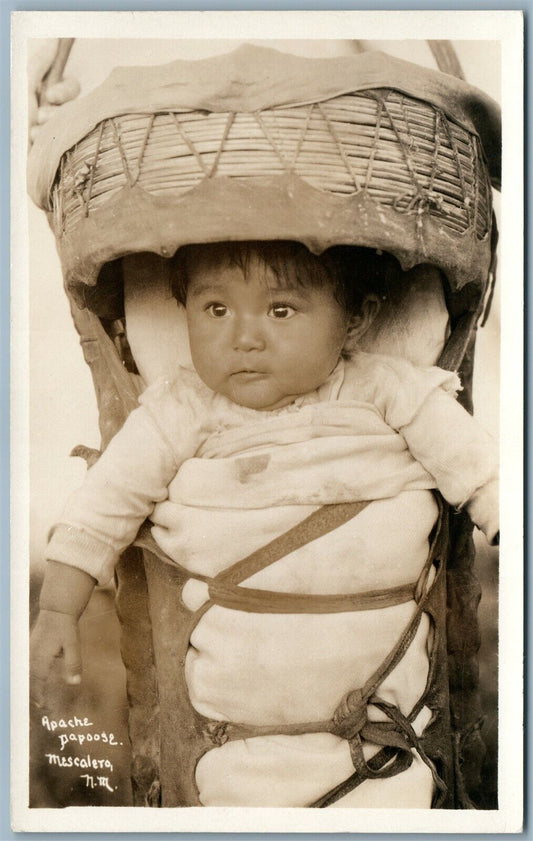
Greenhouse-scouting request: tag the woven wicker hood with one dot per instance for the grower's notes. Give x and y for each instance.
(257, 144)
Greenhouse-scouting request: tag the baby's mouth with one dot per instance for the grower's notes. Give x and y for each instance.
(248, 373)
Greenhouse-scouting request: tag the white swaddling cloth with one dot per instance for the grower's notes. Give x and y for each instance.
(257, 668)
(287, 668)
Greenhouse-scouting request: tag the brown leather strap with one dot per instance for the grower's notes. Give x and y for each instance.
(320, 522)
(455, 348)
(269, 601)
(376, 763)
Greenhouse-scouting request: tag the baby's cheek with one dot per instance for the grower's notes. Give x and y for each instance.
(205, 364)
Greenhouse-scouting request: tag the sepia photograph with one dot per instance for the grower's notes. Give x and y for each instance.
(258, 326)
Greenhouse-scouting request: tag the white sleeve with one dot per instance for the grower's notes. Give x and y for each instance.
(103, 516)
(460, 455)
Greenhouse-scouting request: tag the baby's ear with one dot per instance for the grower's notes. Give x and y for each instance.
(361, 322)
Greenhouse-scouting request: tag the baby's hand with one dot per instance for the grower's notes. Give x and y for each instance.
(64, 596)
(484, 510)
(54, 635)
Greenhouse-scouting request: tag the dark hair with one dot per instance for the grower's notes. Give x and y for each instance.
(354, 272)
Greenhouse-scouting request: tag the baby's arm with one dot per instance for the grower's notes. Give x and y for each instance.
(460, 455)
(101, 518)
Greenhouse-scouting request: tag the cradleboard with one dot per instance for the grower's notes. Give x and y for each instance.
(363, 150)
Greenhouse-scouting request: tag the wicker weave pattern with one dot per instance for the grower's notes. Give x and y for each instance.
(401, 152)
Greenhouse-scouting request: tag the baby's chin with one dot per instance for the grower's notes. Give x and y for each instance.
(254, 397)
(263, 404)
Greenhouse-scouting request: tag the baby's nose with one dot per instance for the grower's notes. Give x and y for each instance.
(248, 334)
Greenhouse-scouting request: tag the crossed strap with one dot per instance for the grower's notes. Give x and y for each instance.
(350, 721)
(225, 590)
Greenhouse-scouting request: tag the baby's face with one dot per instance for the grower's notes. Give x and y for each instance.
(255, 341)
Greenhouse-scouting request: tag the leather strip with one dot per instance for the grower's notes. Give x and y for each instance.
(268, 601)
(325, 519)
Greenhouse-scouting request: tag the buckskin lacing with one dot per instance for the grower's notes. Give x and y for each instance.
(350, 721)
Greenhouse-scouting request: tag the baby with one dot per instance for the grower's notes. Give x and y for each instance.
(280, 415)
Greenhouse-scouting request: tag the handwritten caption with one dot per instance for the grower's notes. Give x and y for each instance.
(74, 733)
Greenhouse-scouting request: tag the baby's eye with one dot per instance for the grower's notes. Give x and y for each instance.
(217, 310)
(281, 311)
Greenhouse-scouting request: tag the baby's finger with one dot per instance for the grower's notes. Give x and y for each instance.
(72, 658)
(41, 662)
(37, 691)
(62, 91)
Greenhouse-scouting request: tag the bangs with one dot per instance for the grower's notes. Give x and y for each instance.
(351, 272)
